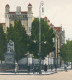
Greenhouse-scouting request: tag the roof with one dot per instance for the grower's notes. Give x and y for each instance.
(3, 24)
(7, 5)
(12, 12)
(23, 12)
(48, 20)
(45, 18)
(51, 24)
(29, 4)
(57, 28)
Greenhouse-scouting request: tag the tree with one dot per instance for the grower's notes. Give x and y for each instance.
(10, 33)
(47, 35)
(63, 52)
(66, 51)
(2, 43)
(19, 36)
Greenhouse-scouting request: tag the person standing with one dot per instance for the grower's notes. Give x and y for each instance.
(45, 67)
(56, 68)
(65, 67)
(51, 67)
(28, 67)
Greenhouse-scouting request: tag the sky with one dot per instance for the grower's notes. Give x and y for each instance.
(58, 12)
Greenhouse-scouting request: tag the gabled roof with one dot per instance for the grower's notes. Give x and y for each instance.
(57, 28)
(48, 20)
(45, 18)
(51, 24)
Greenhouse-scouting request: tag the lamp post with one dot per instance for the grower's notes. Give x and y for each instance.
(57, 52)
(41, 7)
(60, 44)
(48, 61)
(54, 41)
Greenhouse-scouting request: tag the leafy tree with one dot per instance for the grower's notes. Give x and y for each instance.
(63, 52)
(47, 35)
(10, 33)
(66, 51)
(19, 36)
(2, 43)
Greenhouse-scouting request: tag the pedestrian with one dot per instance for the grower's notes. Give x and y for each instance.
(51, 68)
(56, 68)
(65, 67)
(33, 69)
(28, 68)
(16, 68)
(45, 67)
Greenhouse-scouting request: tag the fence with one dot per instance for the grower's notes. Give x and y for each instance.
(27, 65)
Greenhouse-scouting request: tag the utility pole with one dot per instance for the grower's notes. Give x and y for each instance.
(41, 9)
(57, 52)
(60, 44)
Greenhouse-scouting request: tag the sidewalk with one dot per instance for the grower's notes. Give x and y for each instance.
(58, 76)
(49, 72)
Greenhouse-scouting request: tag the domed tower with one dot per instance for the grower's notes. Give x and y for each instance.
(29, 8)
(30, 18)
(7, 8)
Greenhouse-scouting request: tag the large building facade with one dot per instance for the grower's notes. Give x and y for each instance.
(26, 17)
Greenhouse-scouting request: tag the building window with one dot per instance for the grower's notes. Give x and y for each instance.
(25, 16)
(29, 29)
(17, 16)
(13, 16)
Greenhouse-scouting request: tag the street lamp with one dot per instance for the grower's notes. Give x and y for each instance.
(41, 7)
(61, 44)
(48, 61)
(57, 53)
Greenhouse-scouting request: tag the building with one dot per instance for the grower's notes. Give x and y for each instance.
(59, 39)
(26, 17)
(4, 26)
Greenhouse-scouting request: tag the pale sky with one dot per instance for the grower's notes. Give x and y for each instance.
(58, 11)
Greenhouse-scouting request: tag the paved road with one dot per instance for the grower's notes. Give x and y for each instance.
(57, 76)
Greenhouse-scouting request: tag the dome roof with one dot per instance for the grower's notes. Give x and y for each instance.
(7, 5)
(29, 4)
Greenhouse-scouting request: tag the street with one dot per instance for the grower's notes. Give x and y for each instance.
(57, 76)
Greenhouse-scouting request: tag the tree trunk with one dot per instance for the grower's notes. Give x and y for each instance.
(71, 65)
